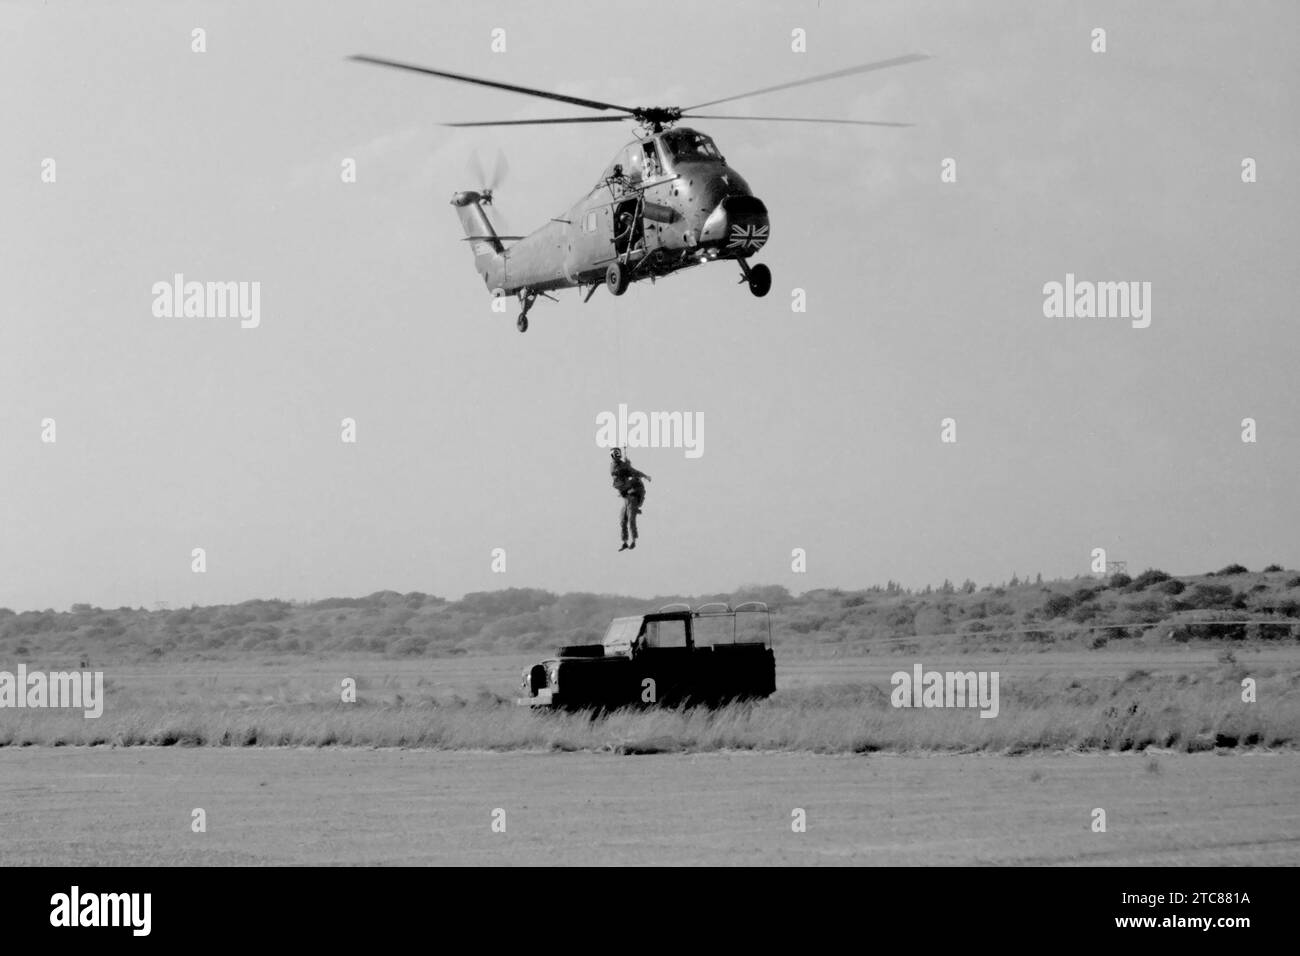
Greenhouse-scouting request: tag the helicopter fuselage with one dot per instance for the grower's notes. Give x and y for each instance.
(664, 203)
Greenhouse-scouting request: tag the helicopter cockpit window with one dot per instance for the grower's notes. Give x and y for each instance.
(690, 146)
(650, 164)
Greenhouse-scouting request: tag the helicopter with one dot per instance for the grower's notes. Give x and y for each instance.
(667, 201)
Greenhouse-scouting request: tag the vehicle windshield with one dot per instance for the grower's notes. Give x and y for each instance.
(686, 145)
(622, 631)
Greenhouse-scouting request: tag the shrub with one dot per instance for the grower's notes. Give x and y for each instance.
(900, 618)
(1173, 586)
(1083, 613)
(1273, 567)
(1293, 582)
(1210, 595)
(1147, 578)
(1142, 608)
(410, 646)
(251, 642)
(1234, 569)
(1265, 631)
(1120, 580)
(1058, 605)
(1217, 630)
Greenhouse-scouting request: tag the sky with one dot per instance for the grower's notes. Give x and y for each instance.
(822, 428)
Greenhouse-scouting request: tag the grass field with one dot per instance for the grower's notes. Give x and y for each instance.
(412, 772)
(1184, 699)
(1089, 664)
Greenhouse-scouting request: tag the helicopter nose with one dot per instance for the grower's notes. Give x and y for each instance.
(738, 225)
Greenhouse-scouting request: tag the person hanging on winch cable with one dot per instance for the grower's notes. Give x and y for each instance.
(630, 485)
(628, 237)
(623, 229)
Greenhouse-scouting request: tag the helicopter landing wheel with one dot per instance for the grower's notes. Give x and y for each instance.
(521, 323)
(616, 278)
(760, 280)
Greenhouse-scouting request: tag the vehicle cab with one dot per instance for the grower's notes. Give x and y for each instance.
(709, 655)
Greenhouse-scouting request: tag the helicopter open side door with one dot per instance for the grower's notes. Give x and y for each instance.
(629, 226)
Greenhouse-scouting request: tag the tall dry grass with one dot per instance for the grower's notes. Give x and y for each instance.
(1185, 712)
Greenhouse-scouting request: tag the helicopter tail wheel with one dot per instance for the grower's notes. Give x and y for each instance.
(760, 280)
(616, 278)
(526, 299)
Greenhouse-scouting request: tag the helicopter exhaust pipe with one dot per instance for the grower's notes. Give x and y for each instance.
(657, 213)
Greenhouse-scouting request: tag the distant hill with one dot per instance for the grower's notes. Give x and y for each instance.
(1231, 605)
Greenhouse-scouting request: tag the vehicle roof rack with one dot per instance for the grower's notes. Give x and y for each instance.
(674, 607)
(752, 606)
(714, 607)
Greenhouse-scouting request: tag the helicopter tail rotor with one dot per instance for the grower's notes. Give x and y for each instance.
(500, 169)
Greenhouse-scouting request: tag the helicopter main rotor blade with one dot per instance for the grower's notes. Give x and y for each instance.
(793, 119)
(461, 77)
(820, 78)
(539, 122)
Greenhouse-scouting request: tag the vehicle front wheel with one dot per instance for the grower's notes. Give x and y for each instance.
(760, 280)
(521, 323)
(616, 278)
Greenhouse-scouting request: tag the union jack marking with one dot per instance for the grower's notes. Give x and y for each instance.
(747, 237)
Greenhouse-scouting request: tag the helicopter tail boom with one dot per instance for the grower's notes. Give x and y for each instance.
(480, 234)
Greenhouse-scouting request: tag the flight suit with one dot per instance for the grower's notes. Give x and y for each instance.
(628, 483)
